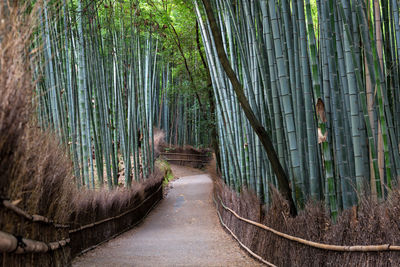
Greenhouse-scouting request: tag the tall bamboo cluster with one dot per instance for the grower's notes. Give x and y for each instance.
(98, 81)
(181, 117)
(322, 77)
(104, 86)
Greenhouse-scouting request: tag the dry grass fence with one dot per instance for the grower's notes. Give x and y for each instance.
(186, 156)
(26, 155)
(370, 223)
(38, 197)
(95, 218)
(99, 218)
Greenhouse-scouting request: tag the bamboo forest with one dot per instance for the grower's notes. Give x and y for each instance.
(199, 133)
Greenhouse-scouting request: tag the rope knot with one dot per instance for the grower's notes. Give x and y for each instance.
(20, 243)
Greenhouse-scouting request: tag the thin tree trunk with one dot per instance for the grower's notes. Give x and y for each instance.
(280, 173)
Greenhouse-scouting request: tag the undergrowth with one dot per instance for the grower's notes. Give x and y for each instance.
(166, 167)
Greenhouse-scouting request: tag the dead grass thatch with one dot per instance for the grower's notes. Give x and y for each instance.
(370, 223)
(90, 206)
(34, 170)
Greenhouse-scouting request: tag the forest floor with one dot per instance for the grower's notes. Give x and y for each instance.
(183, 230)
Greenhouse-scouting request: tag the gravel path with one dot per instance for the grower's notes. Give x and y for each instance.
(183, 230)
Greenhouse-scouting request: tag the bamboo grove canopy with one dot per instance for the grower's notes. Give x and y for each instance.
(323, 79)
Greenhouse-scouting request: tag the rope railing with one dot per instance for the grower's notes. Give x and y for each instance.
(17, 244)
(339, 248)
(10, 243)
(41, 219)
(33, 218)
(90, 225)
(119, 233)
(258, 257)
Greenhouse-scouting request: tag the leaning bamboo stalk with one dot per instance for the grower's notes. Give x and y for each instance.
(34, 218)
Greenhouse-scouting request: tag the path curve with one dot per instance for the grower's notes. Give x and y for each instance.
(183, 230)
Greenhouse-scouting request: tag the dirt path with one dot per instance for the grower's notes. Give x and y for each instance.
(182, 231)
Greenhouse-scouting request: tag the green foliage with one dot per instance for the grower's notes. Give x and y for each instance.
(166, 168)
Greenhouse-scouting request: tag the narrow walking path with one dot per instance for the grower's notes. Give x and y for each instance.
(182, 231)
